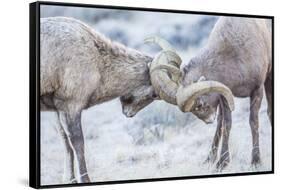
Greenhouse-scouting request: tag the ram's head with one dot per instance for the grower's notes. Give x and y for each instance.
(166, 79)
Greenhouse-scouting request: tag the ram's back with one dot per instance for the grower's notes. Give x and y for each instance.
(239, 51)
(68, 56)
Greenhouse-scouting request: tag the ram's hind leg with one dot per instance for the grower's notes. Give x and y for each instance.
(256, 99)
(216, 140)
(68, 175)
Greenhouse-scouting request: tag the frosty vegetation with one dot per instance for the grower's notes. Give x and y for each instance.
(160, 141)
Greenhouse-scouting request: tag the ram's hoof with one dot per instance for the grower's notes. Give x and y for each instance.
(211, 158)
(256, 161)
(74, 181)
(223, 162)
(85, 179)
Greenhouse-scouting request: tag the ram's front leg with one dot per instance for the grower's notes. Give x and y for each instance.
(226, 123)
(76, 139)
(215, 145)
(68, 174)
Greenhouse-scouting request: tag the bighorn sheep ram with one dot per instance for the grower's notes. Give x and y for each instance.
(236, 60)
(81, 68)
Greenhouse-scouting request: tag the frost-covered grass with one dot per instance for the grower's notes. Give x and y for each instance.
(113, 153)
(160, 141)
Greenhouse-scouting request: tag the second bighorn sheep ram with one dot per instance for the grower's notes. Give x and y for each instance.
(236, 60)
(81, 68)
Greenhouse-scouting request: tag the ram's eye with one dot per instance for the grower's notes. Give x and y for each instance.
(127, 100)
(196, 109)
(154, 95)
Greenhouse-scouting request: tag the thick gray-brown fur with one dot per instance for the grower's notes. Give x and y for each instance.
(237, 54)
(81, 68)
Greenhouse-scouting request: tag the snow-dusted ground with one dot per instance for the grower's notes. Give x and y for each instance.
(160, 141)
(114, 152)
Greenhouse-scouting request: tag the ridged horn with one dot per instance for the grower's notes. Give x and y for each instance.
(164, 70)
(164, 77)
(166, 46)
(186, 96)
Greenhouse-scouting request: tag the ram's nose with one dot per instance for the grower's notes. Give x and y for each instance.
(210, 119)
(129, 113)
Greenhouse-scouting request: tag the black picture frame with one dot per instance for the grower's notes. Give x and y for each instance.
(34, 93)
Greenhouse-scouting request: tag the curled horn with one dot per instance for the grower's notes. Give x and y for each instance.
(186, 96)
(159, 41)
(164, 70)
(166, 46)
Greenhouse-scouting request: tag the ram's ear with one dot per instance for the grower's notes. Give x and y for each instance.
(202, 78)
